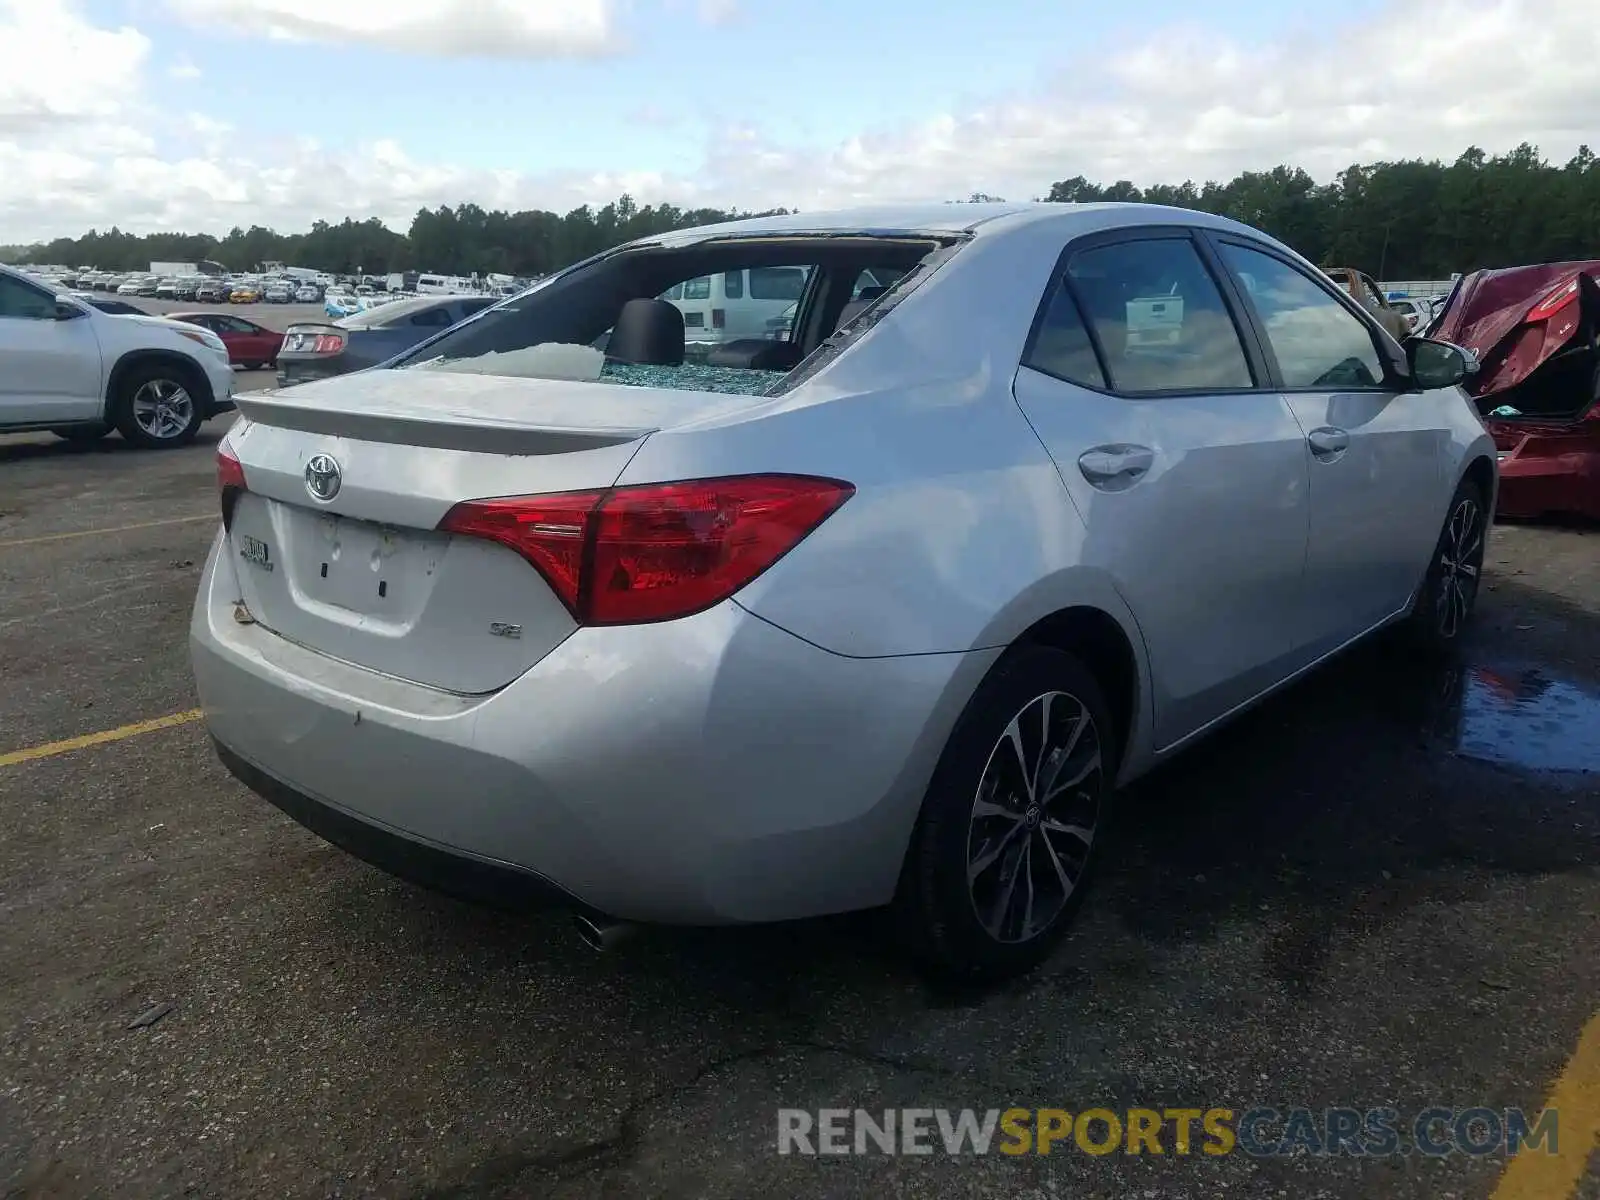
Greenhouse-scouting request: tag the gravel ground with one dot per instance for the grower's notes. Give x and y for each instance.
(1381, 889)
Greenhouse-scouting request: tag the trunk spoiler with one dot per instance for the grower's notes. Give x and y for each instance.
(434, 427)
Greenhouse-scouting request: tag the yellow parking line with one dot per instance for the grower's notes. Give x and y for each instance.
(1535, 1175)
(83, 533)
(50, 749)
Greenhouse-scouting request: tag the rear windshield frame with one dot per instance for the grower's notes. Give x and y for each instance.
(604, 273)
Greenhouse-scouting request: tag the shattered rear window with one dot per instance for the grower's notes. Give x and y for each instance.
(698, 377)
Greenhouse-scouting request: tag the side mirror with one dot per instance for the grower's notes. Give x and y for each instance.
(66, 310)
(1437, 364)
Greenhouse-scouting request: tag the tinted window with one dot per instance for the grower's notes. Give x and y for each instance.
(436, 318)
(19, 300)
(1159, 317)
(697, 289)
(471, 306)
(777, 283)
(733, 285)
(1061, 347)
(1318, 342)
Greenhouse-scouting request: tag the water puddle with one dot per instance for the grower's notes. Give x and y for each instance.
(1527, 719)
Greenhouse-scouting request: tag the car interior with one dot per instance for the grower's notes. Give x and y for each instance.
(615, 305)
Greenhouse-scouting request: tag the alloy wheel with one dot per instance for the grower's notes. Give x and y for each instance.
(1034, 817)
(163, 409)
(1460, 563)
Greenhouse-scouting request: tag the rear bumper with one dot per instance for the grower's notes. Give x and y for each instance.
(451, 872)
(293, 371)
(1551, 473)
(710, 770)
(219, 373)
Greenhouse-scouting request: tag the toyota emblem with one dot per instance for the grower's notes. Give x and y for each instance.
(322, 477)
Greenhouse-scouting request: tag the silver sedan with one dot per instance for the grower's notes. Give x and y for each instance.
(579, 601)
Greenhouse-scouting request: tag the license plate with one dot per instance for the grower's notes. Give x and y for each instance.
(256, 552)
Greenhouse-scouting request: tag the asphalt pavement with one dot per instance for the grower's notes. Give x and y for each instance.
(1381, 889)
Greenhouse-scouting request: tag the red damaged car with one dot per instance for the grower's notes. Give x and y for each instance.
(1536, 332)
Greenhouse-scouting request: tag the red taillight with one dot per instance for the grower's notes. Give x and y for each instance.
(719, 318)
(1553, 303)
(658, 551)
(230, 481)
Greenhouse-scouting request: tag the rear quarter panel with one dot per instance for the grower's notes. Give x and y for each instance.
(960, 535)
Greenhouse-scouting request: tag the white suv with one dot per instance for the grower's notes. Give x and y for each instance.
(67, 367)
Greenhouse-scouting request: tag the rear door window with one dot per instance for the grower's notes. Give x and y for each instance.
(434, 318)
(1061, 345)
(1159, 317)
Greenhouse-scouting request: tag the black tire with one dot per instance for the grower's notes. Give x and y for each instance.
(162, 374)
(937, 906)
(83, 434)
(1449, 594)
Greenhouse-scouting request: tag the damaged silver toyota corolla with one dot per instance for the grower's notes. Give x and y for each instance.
(824, 562)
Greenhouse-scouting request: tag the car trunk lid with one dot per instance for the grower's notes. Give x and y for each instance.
(358, 569)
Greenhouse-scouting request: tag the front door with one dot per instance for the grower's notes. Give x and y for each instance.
(49, 368)
(1375, 452)
(1190, 476)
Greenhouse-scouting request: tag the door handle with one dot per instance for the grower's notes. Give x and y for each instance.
(1327, 442)
(1115, 464)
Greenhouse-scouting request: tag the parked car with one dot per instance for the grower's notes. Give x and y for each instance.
(1369, 295)
(213, 292)
(277, 293)
(68, 367)
(1415, 313)
(249, 344)
(169, 289)
(368, 337)
(709, 652)
(130, 288)
(148, 286)
(245, 293)
(1536, 333)
(307, 294)
(341, 304)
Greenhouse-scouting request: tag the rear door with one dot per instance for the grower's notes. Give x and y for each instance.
(1185, 463)
(1376, 454)
(255, 343)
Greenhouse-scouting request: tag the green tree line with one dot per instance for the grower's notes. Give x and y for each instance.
(1410, 219)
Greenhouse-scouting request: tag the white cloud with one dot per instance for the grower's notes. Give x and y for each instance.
(56, 69)
(1412, 80)
(719, 12)
(183, 70)
(501, 28)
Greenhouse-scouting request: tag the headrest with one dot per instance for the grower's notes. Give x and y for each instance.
(648, 333)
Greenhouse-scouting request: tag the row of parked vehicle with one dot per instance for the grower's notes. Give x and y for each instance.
(204, 289)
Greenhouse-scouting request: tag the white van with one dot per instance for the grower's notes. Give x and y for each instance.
(441, 285)
(736, 304)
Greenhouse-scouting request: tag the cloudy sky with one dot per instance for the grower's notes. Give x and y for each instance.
(203, 114)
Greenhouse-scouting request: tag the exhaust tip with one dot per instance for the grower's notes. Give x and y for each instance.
(600, 935)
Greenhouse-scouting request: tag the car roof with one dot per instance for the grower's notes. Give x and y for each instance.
(949, 220)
